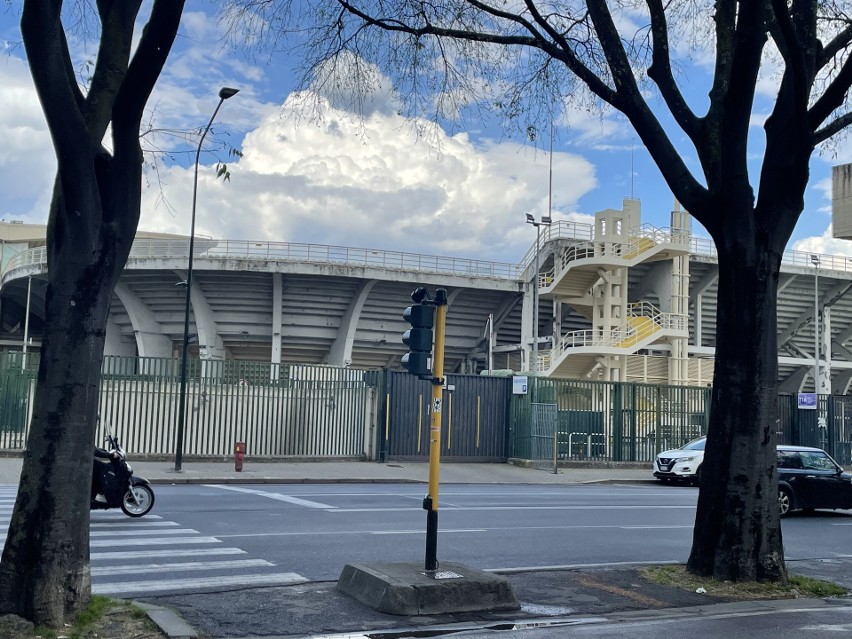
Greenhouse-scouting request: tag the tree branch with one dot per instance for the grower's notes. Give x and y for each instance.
(49, 61)
(840, 42)
(797, 31)
(833, 127)
(117, 22)
(660, 72)
(832, 98)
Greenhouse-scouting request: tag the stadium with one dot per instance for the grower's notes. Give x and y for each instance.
(296, 348)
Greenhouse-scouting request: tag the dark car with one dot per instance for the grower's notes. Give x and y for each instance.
(808, 478)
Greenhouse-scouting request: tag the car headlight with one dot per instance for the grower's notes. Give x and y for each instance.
(686, 459)
(129, 468)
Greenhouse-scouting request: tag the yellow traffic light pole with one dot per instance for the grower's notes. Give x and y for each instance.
(430, 503)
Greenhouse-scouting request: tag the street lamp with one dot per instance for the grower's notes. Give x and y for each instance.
(815, 262)
(224, 94)
(546, 221)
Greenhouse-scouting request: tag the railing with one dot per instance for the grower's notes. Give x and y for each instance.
(562, 229)
(637, 242)
(668, 321)
(323, 254)
(802, 259)
(628, 335)
(295, 252)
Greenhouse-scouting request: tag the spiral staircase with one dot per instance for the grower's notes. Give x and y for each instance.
(591, 277)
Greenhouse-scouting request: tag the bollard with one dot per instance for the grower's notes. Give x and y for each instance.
(239, 455)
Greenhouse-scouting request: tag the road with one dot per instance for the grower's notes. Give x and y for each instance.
(797, 620)
(201, 537)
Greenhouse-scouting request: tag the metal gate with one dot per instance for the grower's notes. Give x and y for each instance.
(474, 419)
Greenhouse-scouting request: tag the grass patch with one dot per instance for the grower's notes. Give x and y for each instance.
(98, 606)
(103, 618)
(796, 586)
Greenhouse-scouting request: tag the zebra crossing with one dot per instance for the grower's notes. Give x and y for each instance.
(153, 556)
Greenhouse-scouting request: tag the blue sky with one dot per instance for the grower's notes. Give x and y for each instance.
(372, 182)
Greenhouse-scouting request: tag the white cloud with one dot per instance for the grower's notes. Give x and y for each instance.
(376, 181)
(28, 163)
(589, 127)
(373, 183)
(824, 244)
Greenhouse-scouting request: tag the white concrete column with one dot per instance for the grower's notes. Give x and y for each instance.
(151, 341)
(277, 297)
(825, 352)
(526, 326)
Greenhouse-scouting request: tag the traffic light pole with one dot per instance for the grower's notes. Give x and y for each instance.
(430, 503)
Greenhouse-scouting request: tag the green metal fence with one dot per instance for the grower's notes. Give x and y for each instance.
(309, 411)
(610, 421)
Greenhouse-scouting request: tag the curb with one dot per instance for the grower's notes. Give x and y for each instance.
(168, 621)
(277, 480)
(739, 608)
(366, 480)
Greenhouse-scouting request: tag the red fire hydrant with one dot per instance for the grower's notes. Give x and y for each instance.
(239, 455)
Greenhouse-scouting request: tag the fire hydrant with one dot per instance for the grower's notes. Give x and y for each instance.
(239, 455)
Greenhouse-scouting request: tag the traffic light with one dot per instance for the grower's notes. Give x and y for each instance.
(421, 316)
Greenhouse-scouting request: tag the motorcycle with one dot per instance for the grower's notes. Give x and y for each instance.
(119, 487)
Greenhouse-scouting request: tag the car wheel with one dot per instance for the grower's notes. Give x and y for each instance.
(697, 480)
(785, 501)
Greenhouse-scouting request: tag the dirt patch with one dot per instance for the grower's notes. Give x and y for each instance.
(592, 581)
(121, 621)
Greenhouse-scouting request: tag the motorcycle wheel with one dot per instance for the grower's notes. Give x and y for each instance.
(137, 501)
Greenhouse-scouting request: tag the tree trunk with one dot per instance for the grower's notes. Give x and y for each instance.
(737, 532)
(45, 575)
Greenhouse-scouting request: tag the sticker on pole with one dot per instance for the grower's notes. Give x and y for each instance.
(436, 405)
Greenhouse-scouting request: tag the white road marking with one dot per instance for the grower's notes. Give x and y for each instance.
(156, 541)
(276, 496)
(653, 527)
(423, 532)
(317, 533)
(470, 508)
(134, 523)
(147, 587)
(141, 533)
(181, 567)
(172, 552)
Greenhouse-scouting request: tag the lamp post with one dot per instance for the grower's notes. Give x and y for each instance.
(815, 262)
(224, 94)
(546, 221)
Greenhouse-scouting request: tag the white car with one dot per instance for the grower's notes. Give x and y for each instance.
(682, 464)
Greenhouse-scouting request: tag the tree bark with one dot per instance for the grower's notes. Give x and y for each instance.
(737, 533)
(45, 574)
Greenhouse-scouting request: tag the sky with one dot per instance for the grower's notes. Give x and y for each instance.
(369, 182)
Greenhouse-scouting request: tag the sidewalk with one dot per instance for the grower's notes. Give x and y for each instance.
(209, 472)
(574, 593)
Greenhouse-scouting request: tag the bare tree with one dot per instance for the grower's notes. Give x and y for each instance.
(525, 56)
(45, 575)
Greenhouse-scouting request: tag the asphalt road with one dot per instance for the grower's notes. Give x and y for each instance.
(313, 530)
(201, 538)
(795, 621)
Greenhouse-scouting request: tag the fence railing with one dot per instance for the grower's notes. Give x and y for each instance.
(628, 336)
(278, 411)
(144, 248)
(324, 254)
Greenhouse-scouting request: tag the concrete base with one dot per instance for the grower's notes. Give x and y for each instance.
(406, 589)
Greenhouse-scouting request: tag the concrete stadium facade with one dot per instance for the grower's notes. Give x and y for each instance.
(617, 301)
